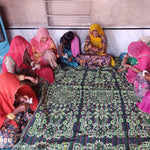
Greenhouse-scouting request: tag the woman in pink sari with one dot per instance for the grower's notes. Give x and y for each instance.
(137, 76)
(44, 49)
(18, 61)
(141, 52)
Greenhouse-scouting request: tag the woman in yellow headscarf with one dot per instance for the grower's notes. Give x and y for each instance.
(95, 49)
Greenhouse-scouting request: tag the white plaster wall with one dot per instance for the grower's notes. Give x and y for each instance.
(118, 17)
(23, 13)
(109, 13)
(121, 13)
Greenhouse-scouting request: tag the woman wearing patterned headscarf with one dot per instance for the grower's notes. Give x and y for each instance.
(95, 49)
(44, 48)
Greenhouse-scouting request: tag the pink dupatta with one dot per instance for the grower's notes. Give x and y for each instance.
(75, 48)
(40, 46)
(141, 52)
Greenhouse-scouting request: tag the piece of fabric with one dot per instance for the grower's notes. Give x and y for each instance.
(10, 86)
(49, 58)
(88, 109)
(141, 52)
(73, 62)
(142, 89)
(131, 60)
(75, 48)
(10, 134)
(94, 61)
(144, 105)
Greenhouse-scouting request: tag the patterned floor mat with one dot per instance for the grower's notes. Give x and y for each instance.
(86, 109)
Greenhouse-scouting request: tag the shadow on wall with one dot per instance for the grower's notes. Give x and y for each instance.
(4, 18)
(3, 15)
(0, 68)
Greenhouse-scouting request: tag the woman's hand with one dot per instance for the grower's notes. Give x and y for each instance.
(90, 46)
(5, 122)
(62, 54)
(21, 108)
(102, 51)
(127, 66)
(35, 65)
(43, 52)
(35, 81)
(69, 59)
(37, 56)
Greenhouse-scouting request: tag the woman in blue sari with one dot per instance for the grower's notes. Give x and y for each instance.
(69, 47)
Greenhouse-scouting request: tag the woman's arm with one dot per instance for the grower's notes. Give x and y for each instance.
(132, 67)
(89, 48)
(11, 116)
(10, 64)
(104, 45)
(125, 58)
(53, 47)
(87, 45)
(24, 77)
(61, 49)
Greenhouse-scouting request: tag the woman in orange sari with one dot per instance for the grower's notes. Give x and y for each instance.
(95, 49)
(17, 104)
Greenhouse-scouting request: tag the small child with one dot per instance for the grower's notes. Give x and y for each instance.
(127, 60)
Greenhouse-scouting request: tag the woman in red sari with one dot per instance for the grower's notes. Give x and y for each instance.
(18, 61)
(17, 103)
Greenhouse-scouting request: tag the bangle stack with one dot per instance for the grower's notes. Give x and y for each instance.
(21, 77)
(11, 116)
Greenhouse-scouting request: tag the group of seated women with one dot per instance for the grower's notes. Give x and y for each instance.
(36, 60)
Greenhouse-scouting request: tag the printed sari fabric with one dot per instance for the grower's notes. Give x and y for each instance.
(9, 87)
(93, 57)
(94, 61)
(142, 89)
(49, 58)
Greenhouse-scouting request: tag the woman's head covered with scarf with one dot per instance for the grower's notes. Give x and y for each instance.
(17, 49)
(9, 87)
(38, 44)
(96, 40)
(137, 49)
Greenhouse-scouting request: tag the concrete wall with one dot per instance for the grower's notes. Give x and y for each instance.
(109, 13)
(122, 13)
(123, 21)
